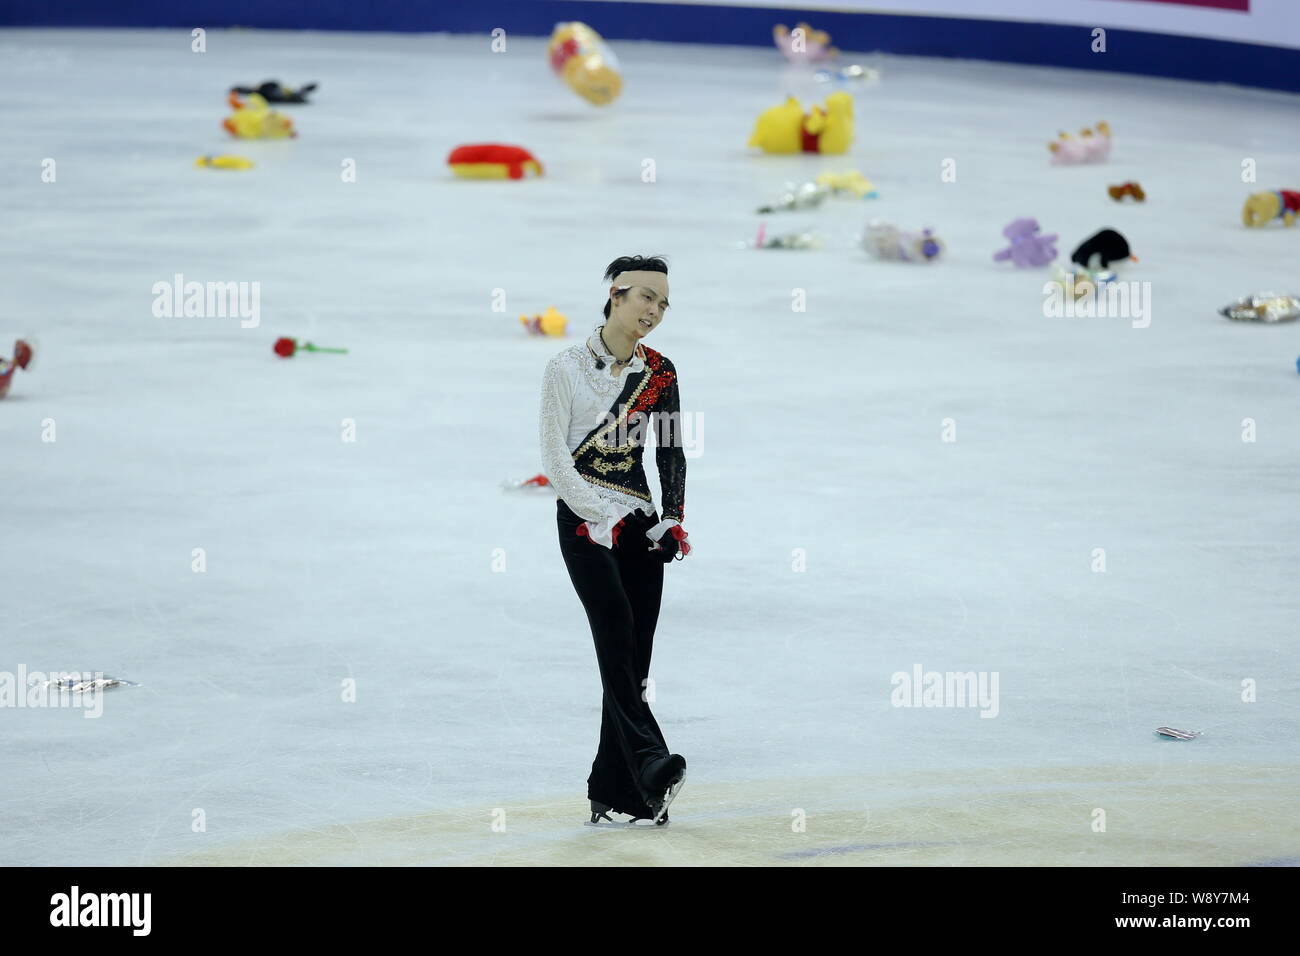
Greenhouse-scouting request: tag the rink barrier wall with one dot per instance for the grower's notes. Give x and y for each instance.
(1039, 44)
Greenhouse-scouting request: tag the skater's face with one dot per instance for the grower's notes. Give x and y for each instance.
(638, 301)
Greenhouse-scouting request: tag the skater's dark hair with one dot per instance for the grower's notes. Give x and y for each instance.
(634, 264)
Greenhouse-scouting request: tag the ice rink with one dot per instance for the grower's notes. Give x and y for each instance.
(396, 561)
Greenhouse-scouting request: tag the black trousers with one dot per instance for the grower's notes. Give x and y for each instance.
(620, 590)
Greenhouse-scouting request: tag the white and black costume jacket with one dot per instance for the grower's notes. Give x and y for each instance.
(594, 427)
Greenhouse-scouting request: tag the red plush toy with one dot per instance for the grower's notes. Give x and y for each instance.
(537, 483)
(492, 161)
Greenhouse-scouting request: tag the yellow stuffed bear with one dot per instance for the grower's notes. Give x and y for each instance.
(785, 129)
(1262, 208)
(550, 322)
(777, 129)
(836, 132)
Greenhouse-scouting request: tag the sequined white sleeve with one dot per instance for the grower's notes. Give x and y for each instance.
(557, 460)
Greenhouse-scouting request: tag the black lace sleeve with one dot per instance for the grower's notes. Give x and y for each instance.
(670, 457)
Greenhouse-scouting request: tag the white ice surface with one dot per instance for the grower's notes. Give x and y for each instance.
(477, 688)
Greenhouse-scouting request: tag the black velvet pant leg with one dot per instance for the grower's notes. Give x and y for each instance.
(620, 590)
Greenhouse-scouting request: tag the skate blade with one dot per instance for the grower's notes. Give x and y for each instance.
(641, 824)
(673, 789)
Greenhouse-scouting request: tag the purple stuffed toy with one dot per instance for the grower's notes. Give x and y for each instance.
(1027, 247)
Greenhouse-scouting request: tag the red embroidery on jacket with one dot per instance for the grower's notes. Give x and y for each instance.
(660, 379)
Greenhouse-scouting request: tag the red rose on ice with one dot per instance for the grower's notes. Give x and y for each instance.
(285, 347)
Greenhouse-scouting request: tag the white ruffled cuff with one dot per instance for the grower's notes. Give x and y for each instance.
(602, 531)
(657, 532)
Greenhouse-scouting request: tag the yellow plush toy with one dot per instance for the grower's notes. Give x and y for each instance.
(834, 130)
(777, 130)
(254, 119)
(785, 128)
(852, 182)
(1262, 208)
(550, 322)
(224, 162)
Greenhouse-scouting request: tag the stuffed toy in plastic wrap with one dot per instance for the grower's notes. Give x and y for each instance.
(582, 60)
(803, 44)
(883, 240)
(1092, 146)
(254, 119)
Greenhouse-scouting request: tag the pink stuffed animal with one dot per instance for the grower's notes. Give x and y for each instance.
(803, 44)
(1092, 146)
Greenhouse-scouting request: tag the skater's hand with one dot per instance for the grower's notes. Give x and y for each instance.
(671, 544)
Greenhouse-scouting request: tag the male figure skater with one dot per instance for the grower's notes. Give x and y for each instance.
(597, 398)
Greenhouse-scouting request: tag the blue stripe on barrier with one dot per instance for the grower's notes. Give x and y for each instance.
(1127, 51)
